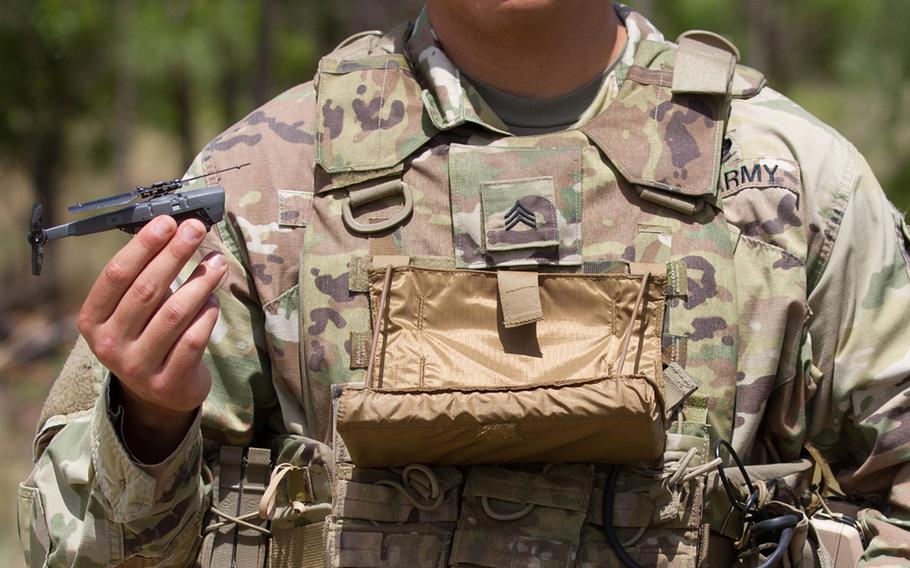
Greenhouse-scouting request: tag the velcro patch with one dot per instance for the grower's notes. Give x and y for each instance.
(744, 173)
(293, 207)
(515, 206)
(519, 214)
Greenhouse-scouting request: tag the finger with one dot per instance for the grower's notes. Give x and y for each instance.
(151, 285)
(123, 269)
(181, 383)
(176, 313)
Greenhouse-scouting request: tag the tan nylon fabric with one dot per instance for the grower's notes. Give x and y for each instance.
(453, 385)
(701, 68)
(251, 545)
(229, 475)
(519, 297)
(298, 547)
(452, 320)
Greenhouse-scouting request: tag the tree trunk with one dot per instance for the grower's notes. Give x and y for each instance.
(761, 34)
(181, 95)
(229, 86)
(125, 91)
(262, 75)
(182, 100)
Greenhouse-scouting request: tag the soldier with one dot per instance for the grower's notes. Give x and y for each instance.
(687, 241)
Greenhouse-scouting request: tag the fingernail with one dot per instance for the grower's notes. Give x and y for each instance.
(216, 260)
(191, 231)
(161, 227)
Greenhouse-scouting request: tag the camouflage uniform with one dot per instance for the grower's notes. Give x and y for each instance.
(787, 288)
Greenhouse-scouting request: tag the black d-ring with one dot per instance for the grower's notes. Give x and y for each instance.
(723, 477)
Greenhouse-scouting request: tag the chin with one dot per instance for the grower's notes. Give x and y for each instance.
(486, 10)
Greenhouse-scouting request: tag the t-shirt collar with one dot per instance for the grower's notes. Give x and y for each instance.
(451, 98)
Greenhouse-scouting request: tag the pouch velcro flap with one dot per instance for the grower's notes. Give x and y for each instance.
(515, 517)
(519, 296)
(702, 68)
(561, 487)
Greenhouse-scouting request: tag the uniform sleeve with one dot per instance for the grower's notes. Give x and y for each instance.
(87, 502)
(860, 331)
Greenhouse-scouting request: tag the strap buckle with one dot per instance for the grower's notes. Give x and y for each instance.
(365, 196)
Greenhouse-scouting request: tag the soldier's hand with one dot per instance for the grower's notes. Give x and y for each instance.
(152, 339)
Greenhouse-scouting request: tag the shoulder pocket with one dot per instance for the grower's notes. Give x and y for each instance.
(33, 533)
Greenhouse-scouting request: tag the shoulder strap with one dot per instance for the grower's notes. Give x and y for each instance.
(705, 63)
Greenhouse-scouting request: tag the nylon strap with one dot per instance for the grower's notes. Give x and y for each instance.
(519, 297)
(386, 260)
(230, 464)
(678, 385)
(702, 69)
(684, 205)
(251, 548)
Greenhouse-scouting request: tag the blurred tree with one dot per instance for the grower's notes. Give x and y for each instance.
(265, 36)
(81, 80)
(125, 91)
(45, 46)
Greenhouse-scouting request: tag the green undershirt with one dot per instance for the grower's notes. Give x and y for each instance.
(529, 116)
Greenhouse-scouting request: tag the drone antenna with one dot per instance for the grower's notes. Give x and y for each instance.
(237, 167)
(144, 192)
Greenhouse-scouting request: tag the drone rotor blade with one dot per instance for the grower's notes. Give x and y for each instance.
(37, 218)
(37, 259)
(37, 237)
(122, 199)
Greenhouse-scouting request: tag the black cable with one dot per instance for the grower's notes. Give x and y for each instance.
(774, 523)
(784, 523)
(783, 544)
(609, 497)
(721, 443)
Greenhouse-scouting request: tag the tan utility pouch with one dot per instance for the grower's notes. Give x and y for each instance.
(473, 367)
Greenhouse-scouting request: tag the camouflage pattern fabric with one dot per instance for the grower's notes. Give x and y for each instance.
(789, 289)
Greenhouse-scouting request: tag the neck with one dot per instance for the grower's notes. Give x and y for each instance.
(538, 50)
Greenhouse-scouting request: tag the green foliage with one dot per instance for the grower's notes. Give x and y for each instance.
(45, 46)
(194, 66)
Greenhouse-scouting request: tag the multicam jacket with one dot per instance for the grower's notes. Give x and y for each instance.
(788, 282)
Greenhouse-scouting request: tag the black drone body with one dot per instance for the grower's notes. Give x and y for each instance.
(159, 198)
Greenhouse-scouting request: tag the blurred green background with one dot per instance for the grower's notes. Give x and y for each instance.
(99, 96)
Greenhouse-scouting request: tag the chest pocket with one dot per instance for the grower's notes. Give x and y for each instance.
(455, 380)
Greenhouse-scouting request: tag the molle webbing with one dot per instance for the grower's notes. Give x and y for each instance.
(241, 477)
(298, 547)
(228, 471)
(251, 545)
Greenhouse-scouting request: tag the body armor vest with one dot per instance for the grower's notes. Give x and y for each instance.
(521, 310)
